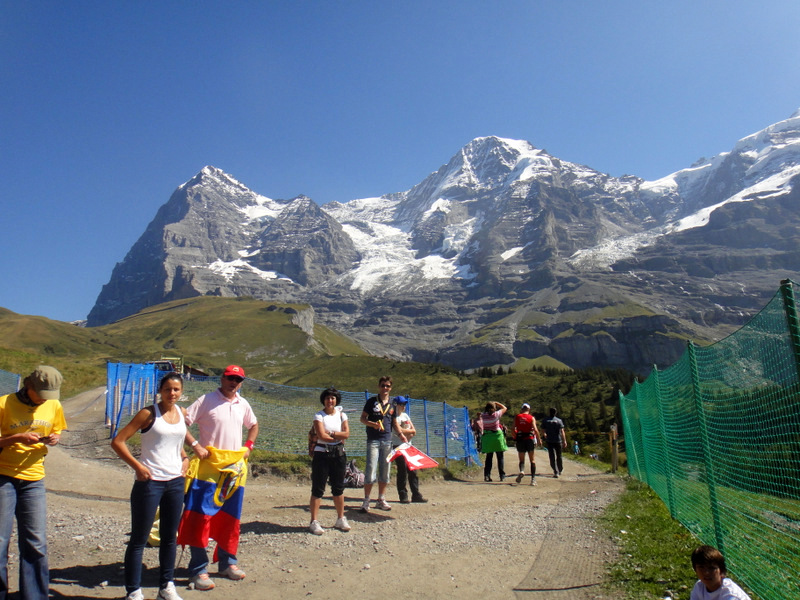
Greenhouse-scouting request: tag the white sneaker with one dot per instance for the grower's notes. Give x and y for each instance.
(342, 524)
(316, 528)
(168, 592)
(135, 595)
(365, 505)
(382, 504)
(533, 480)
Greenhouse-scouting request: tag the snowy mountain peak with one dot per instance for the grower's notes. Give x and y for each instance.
(497, 255)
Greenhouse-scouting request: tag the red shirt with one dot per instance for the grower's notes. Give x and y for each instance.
(523, 423)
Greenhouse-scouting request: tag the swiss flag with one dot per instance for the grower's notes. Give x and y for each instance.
(414, 458)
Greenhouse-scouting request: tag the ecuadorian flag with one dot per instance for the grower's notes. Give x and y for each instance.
(213, 502)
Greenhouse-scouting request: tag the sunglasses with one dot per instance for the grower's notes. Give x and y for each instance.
(234, 378)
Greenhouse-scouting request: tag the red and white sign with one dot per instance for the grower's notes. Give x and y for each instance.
(415, 459)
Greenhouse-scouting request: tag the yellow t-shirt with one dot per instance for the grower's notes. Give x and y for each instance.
(23, 461)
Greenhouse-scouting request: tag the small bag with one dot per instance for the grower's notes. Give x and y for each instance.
(336, 450)
(353, 476)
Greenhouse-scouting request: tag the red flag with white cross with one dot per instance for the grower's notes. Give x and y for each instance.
(415, 458)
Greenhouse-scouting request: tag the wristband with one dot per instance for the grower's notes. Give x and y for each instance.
(249, 444)
(194, 443)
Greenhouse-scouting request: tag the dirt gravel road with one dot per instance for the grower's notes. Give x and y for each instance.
(472, 540)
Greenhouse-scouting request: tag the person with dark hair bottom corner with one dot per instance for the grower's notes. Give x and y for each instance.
(30, 420)
(404, 474)
(713, 584)
(379, 418)
(329, 461)
(220, 417)
(556, 440)
(526, 433)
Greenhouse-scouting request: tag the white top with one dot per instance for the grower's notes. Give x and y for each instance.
(402, 420)
(161, 447)
(220, 420)
(727, 591)
(332, 423)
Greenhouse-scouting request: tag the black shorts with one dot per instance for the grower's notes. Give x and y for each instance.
(525, 444)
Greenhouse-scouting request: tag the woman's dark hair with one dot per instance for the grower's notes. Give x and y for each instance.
(490, 407)
(171, 375)
(331, 391)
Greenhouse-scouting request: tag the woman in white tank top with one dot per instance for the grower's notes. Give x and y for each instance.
(159, 484)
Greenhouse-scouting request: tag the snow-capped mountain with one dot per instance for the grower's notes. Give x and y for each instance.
(504, 252)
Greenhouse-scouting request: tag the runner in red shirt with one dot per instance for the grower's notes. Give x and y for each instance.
(527, 435)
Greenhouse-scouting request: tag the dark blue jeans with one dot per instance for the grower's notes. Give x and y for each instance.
(24, 500)
(146, 497)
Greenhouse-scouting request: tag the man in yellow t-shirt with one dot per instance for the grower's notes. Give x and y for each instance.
(30, 420)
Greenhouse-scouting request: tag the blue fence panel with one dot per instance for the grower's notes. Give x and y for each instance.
(285, 413)
(9, 382)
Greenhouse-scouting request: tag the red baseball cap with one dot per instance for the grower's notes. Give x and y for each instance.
(234, 371)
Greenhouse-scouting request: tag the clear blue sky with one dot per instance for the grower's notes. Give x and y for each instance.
(106, 107)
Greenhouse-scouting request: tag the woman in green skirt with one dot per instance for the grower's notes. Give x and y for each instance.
(493, 439)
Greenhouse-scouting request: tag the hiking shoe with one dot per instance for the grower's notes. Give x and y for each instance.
(502, 477)
(201, 582)
(418, 499)
(404, 500)
(342, 524)
(233, 573)
(487, 478)
(555, 474)
(365, 506)
(382, 504)
(168, 592)
(316, 528)
(520, 476)
(135, 595)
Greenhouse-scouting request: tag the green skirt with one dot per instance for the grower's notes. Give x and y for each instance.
(493, 441)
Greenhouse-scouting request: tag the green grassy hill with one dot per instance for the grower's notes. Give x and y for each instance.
(209, 333)
(278, 343)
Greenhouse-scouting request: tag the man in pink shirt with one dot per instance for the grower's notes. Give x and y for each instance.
(220, 417)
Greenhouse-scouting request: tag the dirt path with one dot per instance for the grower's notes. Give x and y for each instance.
(473, 539)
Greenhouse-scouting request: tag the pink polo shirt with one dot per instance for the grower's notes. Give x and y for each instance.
(220, 421)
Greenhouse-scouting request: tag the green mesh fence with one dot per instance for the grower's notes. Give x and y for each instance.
(285, 413)
(717, 437)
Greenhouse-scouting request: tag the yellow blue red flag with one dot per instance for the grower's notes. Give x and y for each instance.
(213, 501)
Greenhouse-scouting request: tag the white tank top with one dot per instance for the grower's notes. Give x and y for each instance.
(161, 447)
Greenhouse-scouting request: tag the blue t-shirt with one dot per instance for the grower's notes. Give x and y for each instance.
(377, 412)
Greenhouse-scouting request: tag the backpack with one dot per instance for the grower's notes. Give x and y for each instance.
(353, 476)
(312, 440)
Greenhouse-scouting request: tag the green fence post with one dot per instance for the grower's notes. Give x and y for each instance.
(790, 308)
(667, 445)
(709, 462)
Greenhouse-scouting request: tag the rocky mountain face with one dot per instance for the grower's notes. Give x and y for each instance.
(503, 253)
